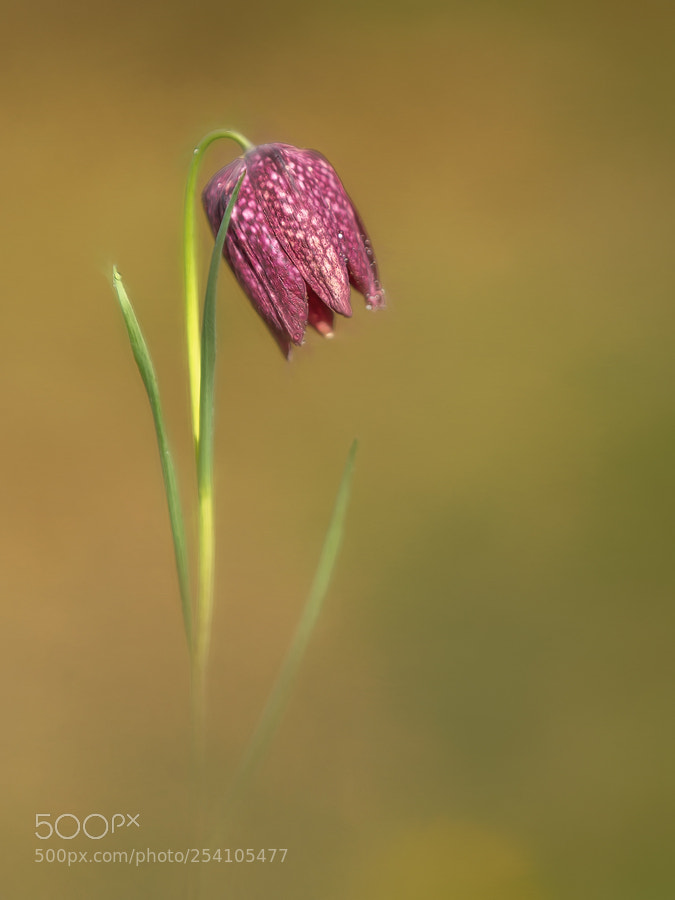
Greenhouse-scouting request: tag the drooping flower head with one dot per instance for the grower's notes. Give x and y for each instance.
(295, 241)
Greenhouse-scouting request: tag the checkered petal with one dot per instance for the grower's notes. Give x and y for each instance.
(295, 241)
(298, 223)
(269, 279)
(339, 214)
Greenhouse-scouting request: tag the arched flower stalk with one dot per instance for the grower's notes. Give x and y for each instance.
(295, 242)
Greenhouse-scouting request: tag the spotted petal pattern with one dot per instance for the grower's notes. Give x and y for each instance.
(295, 241)
(341, 217)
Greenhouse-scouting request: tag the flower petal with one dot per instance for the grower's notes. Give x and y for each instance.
(269, 279)
(254, 286)
(319, 316)
(328, 191)
(283, 193)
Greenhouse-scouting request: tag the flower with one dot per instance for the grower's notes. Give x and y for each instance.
(295, 241)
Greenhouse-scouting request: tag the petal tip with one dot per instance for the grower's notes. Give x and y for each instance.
(376, 299)
(324, 329)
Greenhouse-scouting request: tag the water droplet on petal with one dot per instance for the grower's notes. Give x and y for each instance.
(340, 235)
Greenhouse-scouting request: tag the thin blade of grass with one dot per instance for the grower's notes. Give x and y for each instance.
(205, 446)
(279, 696)
(147, 370)
(208, 348)
(190, 265)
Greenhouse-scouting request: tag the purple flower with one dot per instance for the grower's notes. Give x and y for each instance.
(295, 241)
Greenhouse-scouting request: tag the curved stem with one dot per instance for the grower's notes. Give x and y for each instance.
(190, 268)
(201, 365)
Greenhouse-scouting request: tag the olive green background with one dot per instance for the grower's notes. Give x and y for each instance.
(486, 711)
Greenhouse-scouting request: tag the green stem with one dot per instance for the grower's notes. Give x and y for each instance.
(190, 267)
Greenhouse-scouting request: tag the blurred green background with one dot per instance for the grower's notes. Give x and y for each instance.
(486, 709)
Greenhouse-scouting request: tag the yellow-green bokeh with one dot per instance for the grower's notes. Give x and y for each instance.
(486, 709)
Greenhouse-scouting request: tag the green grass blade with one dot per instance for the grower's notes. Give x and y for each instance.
(147, 370)
(190, 265)
(205, 447)
(280, 693)
(208, 348)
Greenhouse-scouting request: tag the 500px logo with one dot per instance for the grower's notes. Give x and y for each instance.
(94, 826)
